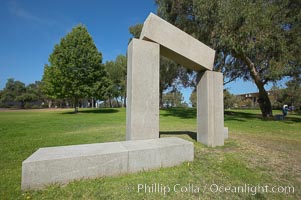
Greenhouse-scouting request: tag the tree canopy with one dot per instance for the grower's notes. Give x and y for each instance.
(254, 40)
(173, 99)
(17, 94)
(75, 70)
(117, 76)
(12, 92)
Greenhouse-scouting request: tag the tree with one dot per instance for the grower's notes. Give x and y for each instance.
(291, 95)
(75, 70)
(275, 96)
(171, 76)
(136, 30)
(229, 100)
(254, 40)
(117, 76)
(10, 94)
(34, 96)
(193, 99)
(113, 88)
(294, 88)
(173, 99)
(16, 94)
(121, 65)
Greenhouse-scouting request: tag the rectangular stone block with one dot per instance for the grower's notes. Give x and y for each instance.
(210, 109)
(142, 112)
(178, 45)
(143, 154)
(156, 153)
(67, 163)
(175, 151)
(226, 132)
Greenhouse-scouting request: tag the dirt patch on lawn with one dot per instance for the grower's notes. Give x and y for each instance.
(281, 159)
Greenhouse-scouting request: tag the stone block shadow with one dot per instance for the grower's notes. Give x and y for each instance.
(95, 111)
(191, 134)
(184, 113)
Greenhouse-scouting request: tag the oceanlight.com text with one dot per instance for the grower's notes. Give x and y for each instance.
(213, 188)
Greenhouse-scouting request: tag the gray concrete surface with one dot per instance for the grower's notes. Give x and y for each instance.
(226, 132)
(142, 111)
(175, 151)
(210, 109)
(178, 45)
(143, 81)
(67, 163)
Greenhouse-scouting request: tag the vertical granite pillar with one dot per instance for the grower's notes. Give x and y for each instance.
(210, 109)
(142, 111)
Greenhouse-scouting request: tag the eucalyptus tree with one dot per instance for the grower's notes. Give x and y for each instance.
(254, 40)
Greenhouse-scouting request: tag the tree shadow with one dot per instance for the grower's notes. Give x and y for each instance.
(95, 111)
(290, 119)
(184, 113)
(192, 135)
(241, 115)
(191, 113)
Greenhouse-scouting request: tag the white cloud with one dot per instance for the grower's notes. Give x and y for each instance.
(17, 10)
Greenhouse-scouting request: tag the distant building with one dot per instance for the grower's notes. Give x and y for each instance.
(250, 99)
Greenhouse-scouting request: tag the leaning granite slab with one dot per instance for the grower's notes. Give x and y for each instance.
(66, 163)
(177, 45)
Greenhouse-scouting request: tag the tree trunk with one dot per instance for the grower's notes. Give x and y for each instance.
(110, 103)
(117, 102)
(124, 101)
(22, 104)
(75, 104)
(263, 100)
(49, 103)
(161, 98)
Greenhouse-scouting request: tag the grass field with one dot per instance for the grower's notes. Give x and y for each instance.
(258, 152)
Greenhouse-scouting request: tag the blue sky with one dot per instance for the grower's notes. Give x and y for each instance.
(30, 29)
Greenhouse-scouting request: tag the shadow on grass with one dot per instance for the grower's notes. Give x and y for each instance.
(184, 113)
(244, 116)
(192, 135)
(290, 119)
(95, 111)
(191, 113)
(240, 116)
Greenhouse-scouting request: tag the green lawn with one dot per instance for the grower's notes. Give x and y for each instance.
(258, 152)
